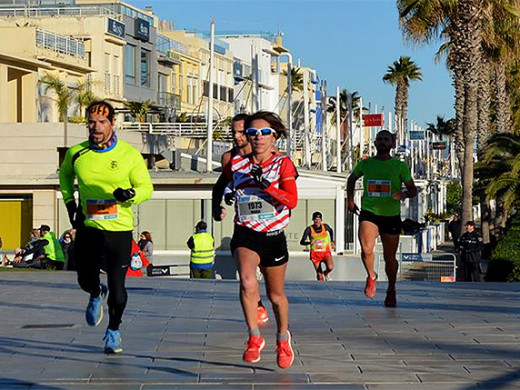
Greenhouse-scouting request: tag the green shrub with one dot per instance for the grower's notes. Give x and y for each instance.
(453, 197)
(505, 259)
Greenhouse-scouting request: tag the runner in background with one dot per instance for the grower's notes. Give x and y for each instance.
(383, 177)
(320, 237)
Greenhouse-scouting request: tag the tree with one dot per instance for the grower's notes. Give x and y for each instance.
(400, 74)
(139, 109)
(442, 127)
(296, 79)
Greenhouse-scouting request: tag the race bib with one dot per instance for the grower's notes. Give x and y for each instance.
(319, 245)
(102, 209)
(379, 188)
(254, 208)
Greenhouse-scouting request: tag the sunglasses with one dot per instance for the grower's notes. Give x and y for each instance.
(251, 132)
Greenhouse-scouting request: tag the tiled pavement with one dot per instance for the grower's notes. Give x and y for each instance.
(182, 334)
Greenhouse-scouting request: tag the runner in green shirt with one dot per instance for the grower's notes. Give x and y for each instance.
(383, 177)
(112, 176)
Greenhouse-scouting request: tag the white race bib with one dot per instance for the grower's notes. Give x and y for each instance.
(255, 208)
(379, 188)
(102, 209)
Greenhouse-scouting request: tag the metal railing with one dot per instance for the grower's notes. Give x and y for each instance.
(58, 11)
(189, 130)
(60, 43)
(168, 99)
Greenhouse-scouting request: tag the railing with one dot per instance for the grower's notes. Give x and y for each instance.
(57, 12)
(60, 43)
(189, 130)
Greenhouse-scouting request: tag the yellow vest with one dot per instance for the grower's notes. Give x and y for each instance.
(203, 251)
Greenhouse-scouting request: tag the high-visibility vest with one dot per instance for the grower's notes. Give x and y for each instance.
(320, 242)
(203, 251)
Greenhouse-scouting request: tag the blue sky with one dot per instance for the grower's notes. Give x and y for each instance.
(350, 43)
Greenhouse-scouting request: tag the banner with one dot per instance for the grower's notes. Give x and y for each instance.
(374, 119)
(416, 135)
(438, 145)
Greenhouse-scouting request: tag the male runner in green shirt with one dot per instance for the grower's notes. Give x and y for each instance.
(112, 176)
(383, 177)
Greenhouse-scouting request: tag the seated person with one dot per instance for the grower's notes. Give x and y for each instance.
(29, 256)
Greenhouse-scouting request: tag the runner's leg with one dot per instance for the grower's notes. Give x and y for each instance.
(390, 245)
(274, 283)
(368, 233)
(247, 262)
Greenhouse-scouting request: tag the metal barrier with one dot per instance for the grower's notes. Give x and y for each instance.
(424, 267)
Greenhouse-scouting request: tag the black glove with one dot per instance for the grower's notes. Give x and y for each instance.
(76, 217)
(257, 175)
(123, 195)
(217, 212)
(229, 198)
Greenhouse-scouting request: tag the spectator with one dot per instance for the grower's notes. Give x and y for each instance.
(455, 229)
(146, 245)
(67, 246)
(3, 256)
(30, 256)
(202, 257)
(53, 256)
(470, 253)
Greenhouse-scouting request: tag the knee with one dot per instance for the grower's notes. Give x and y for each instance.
(249, 287)
(277, 299)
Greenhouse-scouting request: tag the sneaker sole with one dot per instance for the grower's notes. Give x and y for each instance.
(262, 321)
(292, 353)
(259, 352)
(110, 351)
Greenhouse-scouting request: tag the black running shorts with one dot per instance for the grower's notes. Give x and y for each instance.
(270, 246)
(388, 225)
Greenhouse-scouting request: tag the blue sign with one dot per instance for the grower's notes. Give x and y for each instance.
(116, 28)
(416, 135)
(142, 30)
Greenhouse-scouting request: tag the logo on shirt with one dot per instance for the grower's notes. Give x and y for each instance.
(113, 165)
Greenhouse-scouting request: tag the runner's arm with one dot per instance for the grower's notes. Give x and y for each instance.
(216, 196)
(351, 186)
(306, 237)
(410, 192)
(287, 194)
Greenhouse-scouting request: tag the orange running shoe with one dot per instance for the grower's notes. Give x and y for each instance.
(284, 352)
(370, 287)
(261, 315)
(254, 345)
(390, 300)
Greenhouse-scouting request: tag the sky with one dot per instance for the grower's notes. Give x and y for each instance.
(350, 43)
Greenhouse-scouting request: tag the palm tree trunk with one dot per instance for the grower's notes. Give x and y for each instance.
(459, 114)
(483, 132)
(503, 105)
(470, 37)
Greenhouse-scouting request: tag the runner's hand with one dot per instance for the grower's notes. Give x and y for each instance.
(353, 208)
(257, 175)
(76, 216)
(123, 195)
(219, 213)
(229, 198)
(400, 195)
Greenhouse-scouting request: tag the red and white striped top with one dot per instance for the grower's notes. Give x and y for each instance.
(255, 208)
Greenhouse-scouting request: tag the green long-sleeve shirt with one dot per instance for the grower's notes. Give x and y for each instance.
(99, 173)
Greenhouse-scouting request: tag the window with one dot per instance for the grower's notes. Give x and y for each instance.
(130, 64)
(145, 68)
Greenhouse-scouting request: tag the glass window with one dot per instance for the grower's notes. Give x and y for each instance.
(145, 68)
(130, 64)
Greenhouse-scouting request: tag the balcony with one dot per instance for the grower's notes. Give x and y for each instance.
(60, 43)
(168, 99)
(58, 12)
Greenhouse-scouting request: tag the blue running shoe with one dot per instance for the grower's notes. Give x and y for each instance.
(94, 312)
(113, 341)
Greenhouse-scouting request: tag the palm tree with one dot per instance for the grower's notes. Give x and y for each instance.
(499, 170)
(84, 95)
(63, 96)
(442, 127)
(139, 109)
(296, 79)
(400, 74)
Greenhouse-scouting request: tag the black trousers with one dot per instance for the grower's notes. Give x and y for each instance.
(472, 271)
(100, 249)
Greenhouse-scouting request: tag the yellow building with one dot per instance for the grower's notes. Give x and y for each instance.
(193, 77)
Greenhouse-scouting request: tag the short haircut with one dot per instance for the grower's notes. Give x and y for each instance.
(275, 122)
(317, 214)
(201, 225)
(101, 107)
(239, 117)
